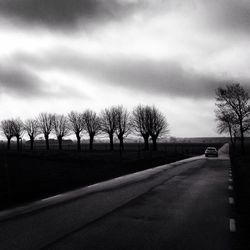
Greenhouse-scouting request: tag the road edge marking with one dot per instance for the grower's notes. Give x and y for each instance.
(232, 225)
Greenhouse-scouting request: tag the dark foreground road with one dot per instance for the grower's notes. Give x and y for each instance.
(182, 205)
(189, 209)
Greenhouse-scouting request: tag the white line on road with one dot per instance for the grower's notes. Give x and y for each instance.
(232, 225)
(230, 180)
(231, 200)
(230, 187)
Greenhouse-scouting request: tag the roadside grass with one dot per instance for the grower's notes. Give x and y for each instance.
(27, 176)
(241, 174)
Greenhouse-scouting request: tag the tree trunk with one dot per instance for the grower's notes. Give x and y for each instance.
(154, 139)
(121, 147)
(31, 142)
(8, 143)
(18, 142)
(121, 142)
(234, 139)
(146, 144)
(91, 140)
(78, 142)
(111, 142)
(47, 141)
(231, 136)
(59, 138)
(242, 138)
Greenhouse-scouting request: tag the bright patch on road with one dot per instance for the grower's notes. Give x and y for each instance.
(232, 225)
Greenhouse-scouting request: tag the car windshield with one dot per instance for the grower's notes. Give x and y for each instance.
(211, 148)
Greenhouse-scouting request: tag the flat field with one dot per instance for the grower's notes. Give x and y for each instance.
(27, 175)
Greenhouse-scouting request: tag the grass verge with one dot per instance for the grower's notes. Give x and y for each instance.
(241, 174)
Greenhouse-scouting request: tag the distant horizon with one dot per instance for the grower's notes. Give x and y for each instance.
(106, 140)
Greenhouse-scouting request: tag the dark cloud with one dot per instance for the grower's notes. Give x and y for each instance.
(167, 78)
(231, 16)
(225, 15)
(64, 13)
(19, 82)
(157, 77)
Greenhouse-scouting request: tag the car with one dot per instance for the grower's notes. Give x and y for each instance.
(211, 151)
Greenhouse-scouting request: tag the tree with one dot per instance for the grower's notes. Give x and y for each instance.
(109, 124)
(140, 123)
(32, 128)
(45, 121)
(235, 99)
(123, 124)
(76, 125)
(226, 124)
(157, 125)
(92, 125)
(61, 127)
(18, 129)
(7, 128)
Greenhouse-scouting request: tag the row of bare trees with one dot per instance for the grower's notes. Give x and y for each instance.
(145, 121)
(233, 112)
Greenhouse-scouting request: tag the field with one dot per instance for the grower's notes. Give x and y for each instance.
(26, 176)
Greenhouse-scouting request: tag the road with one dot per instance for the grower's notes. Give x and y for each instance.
(183, 205)
(188, 210)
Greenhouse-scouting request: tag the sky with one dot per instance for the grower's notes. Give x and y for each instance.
(60, 55)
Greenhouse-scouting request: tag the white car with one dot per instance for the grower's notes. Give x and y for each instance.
(211, 151)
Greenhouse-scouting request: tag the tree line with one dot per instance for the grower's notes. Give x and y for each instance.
(145, 121)
(233, 112)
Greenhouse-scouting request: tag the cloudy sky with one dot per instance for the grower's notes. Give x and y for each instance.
(61, 55)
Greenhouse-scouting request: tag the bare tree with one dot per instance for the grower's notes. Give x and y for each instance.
(123, 124)
(61, 127)
(226, 124)
(140, 124)
(235, 98)
(157, 124)
(18, 129)
(109, 124)
(45, 121)
(7, 128)
(92, 125)
(32, 128)
(76, 125)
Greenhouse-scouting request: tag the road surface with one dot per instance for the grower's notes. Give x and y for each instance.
(188, 210)
(184, 205)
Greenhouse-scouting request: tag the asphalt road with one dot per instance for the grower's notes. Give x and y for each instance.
(188, 209)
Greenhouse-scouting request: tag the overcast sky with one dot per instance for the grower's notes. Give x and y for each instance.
(61, 55)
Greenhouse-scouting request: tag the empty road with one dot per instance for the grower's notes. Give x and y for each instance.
(189, 209)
